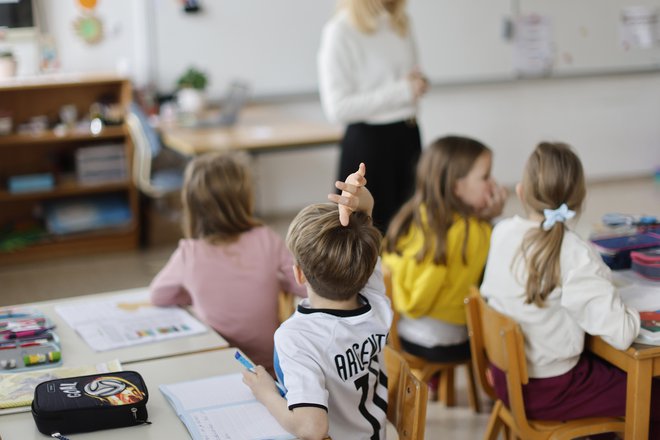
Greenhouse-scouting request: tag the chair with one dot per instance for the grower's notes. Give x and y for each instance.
(407, 397)
(286, 305)
(153, 180)
(497, 339)
(424, 370)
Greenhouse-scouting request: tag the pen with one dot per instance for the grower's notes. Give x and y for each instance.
(9, 314)
(28, 333)
(247, 364)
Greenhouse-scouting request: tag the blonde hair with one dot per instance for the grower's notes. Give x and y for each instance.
(217, 198)
(553, 175)
(337, 260)
(364, 14)
(441, 165)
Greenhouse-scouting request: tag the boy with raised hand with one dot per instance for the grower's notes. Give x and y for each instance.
(329, 354)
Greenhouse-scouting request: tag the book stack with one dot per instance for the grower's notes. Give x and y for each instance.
(101, 164)
(70, 216)
(615, 251)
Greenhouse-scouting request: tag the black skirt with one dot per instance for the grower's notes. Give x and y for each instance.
(390, 152)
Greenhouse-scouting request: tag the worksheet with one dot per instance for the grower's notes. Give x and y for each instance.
(127, 319)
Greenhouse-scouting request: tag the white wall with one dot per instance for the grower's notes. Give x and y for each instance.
(612, 121)
(124, 47)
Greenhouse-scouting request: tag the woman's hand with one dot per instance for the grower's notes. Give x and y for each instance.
(418, 83)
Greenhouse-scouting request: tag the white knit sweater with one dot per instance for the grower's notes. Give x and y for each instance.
(586, 301)
(363, 77)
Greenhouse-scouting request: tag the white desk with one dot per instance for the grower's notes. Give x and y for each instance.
(165, 423)
(75, 350)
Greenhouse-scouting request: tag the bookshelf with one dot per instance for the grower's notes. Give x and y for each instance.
(25, 232)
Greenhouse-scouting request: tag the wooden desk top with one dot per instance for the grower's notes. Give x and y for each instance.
(260, 128)
(165, 423)
(75, 350)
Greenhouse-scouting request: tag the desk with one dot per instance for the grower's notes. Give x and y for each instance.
(260, 128)
(641, 363)
(165, 423)
(75, 351)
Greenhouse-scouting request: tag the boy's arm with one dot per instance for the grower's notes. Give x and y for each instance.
(354, 195)
(306, 422)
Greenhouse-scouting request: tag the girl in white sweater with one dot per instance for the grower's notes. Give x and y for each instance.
(557, 288)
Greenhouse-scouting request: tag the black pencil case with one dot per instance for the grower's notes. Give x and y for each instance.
(90, 403)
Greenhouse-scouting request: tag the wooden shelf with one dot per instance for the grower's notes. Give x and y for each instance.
(108, 132)
(25, 154)
(66, 189)
(88, 243)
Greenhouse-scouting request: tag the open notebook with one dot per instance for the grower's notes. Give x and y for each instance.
(222, 407)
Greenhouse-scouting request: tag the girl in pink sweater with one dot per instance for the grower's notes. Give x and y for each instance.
(230, 266)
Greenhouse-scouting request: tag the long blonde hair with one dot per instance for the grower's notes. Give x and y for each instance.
(217, 198)
(441, 165)
(364, 14)
(553, 176)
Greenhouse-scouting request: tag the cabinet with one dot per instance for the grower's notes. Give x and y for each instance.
(26, 215)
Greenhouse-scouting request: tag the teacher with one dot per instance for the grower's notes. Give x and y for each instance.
(369, 80)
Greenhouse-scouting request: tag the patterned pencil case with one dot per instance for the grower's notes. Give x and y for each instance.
(90, 403)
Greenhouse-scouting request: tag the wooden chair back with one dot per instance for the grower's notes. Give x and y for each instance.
(424, 369)
(495, 338)
(407, 398)
(286, 305)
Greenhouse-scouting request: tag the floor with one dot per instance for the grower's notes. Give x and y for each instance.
(83, 275)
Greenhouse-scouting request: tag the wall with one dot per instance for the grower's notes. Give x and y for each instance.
(124, 48)
(613, 121)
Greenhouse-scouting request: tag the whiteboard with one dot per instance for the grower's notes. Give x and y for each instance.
(273, 43)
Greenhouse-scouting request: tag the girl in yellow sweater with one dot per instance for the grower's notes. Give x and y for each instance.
(436, 246)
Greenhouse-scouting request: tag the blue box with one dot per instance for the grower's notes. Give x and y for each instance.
(31, 183)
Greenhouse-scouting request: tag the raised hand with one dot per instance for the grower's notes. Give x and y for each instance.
(354, 195)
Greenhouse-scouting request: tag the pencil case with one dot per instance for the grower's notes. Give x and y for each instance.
(615, 251)
(90, 403)
(647, 263)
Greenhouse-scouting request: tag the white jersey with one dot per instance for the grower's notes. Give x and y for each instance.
(333, 359)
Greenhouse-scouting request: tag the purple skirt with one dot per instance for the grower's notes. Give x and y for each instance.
(593, 388)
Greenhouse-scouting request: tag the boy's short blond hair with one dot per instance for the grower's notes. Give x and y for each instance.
(336, 260)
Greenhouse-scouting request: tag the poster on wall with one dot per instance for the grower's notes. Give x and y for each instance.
(533, 45)
(639, 28)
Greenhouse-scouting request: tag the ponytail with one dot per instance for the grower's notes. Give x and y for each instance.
(552, 187)
(541, 250)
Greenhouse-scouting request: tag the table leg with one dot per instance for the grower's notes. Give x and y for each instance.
(638, 399)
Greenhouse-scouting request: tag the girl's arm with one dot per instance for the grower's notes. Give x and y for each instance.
(415, 287)
(167, 289)
(305, 422)
(592, 300)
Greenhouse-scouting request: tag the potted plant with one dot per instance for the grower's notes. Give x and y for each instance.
(191, 96)
(7, 64)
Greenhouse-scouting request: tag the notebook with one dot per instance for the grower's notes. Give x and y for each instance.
(222, 407)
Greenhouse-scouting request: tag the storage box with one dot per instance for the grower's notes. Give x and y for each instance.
(647, 263)
(615, 251)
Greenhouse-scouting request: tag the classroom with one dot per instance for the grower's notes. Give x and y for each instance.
(158, 159)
